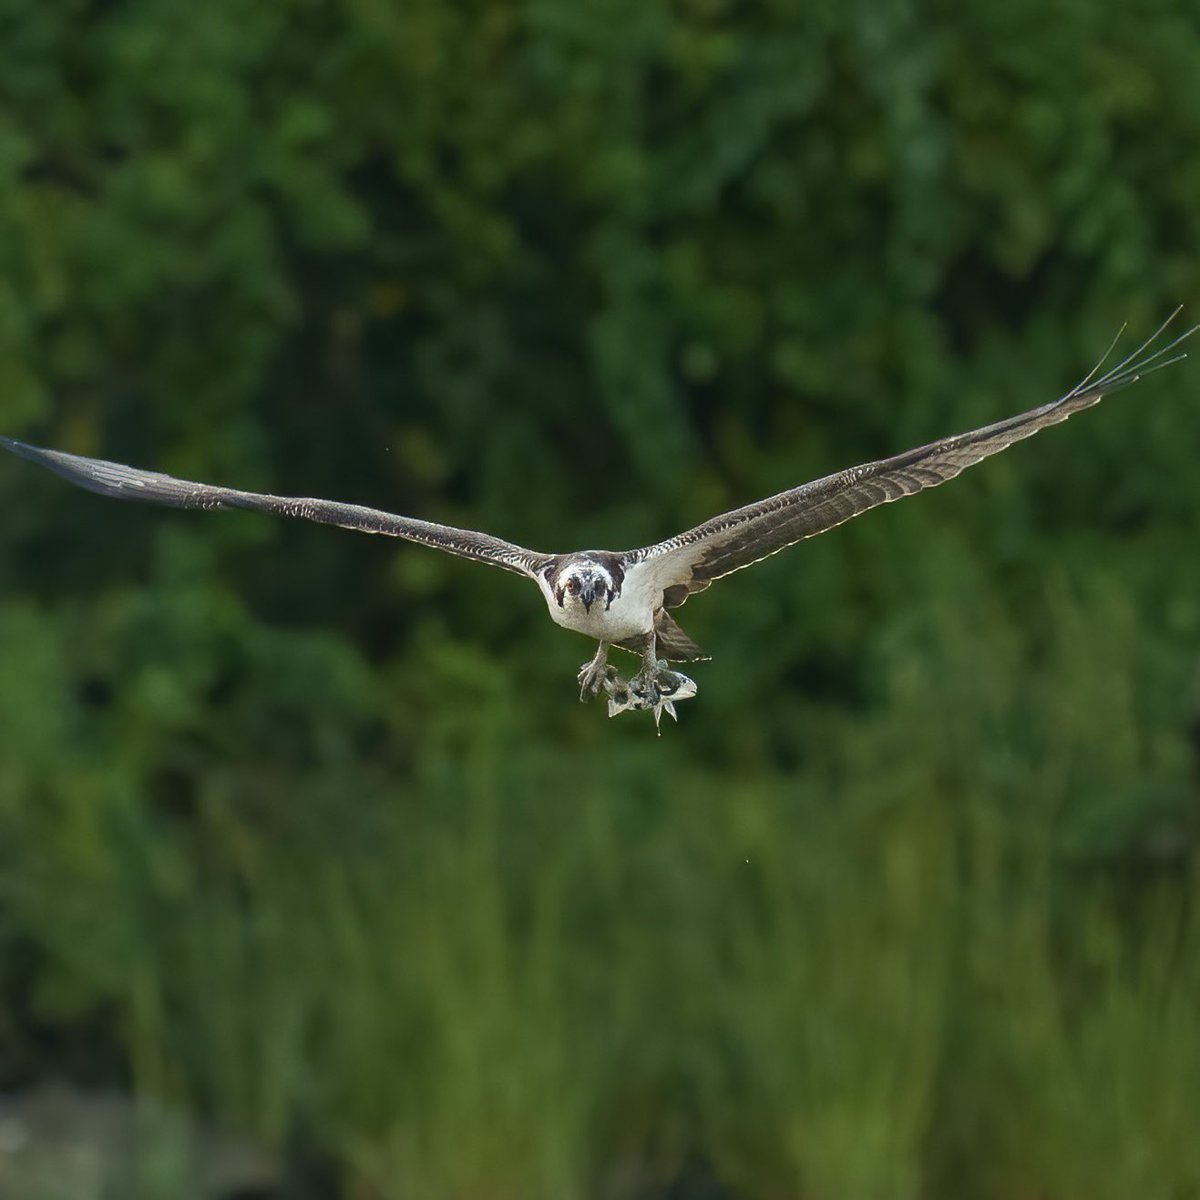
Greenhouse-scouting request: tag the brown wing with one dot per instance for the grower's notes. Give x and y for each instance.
(129, 483)
(690, 561)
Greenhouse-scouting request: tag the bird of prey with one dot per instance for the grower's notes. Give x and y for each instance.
(626, 598)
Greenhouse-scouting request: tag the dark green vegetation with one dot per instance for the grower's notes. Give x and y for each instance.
(307, 833)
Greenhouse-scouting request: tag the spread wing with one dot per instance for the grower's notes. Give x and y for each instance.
(129, 483)
(690, 561)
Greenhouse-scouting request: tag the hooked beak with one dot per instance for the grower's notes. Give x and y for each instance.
(588, 596)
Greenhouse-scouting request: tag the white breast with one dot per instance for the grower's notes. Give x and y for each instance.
(631, 614)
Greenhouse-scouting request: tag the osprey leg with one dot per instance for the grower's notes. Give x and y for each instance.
(649, 656)
(591, 674)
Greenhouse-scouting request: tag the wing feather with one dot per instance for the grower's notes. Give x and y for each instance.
(130, 483)
(690, 561)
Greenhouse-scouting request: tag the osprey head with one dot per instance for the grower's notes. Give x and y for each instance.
(584, 581)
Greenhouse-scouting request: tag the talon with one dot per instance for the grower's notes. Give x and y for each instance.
(589, 680)
(594, 674)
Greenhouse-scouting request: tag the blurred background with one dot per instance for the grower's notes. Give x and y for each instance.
(316, 879)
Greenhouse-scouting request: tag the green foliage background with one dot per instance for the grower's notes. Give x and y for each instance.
(308, 833)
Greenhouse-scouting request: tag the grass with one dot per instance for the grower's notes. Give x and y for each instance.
(889, 970)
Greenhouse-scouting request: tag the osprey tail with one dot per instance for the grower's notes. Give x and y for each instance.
(672, 643)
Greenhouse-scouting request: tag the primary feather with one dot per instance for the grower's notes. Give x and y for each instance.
(690, 561)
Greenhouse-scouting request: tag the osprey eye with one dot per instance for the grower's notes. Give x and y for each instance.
(572, 584)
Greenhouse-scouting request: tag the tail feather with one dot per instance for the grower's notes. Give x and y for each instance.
(672, 643)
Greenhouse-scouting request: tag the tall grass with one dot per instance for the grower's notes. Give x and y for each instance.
(887, 971)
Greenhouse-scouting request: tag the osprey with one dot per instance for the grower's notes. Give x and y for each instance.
(626, 598)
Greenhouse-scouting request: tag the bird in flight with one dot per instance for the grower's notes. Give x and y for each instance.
(626, 598)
